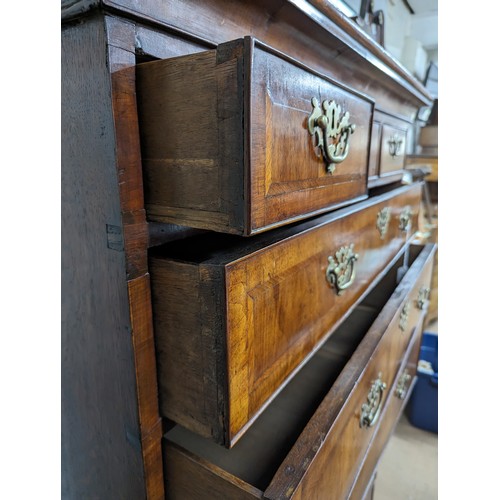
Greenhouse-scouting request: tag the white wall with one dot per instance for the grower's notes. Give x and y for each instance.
(433, 55)
(410, 38)
(424, 27)
(397, 25)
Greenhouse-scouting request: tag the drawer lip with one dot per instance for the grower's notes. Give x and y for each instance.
(306, 448)
(385, 178)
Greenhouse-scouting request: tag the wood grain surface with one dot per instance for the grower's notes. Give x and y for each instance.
(328, 453)
(234, 154)
(331, 35)
(121, 60)
(332, 450)
(275, 305)
(111, 428)
(388, 418)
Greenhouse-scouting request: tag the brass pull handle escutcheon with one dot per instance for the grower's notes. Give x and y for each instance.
(383, 219)
(402, 387)
(403, 317)
(370, 410)
(395, 142)
(340, 273)
(332, 130)
(423, 297)
(405, 219)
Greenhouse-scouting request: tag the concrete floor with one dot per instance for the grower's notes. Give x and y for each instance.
(408, 468)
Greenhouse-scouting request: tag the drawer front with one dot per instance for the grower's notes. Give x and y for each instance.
(398, 396)
(392, 146)
(281, 302)
(291, 172)
(337, 451)
(256, 141)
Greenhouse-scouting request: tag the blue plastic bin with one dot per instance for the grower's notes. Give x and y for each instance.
(423, 407)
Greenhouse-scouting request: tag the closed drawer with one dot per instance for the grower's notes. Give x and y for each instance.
(238, 150)
(388, 149)
(313, 440)
(234, 319)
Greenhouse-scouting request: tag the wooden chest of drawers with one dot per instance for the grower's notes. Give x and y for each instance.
(235, 320)
(242, 149)
(264, 343)
(319, 438)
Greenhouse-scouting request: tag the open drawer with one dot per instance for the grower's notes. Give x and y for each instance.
(256, 139)
(313, 439)
(235, 319)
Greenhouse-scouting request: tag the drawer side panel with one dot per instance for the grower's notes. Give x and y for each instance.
(187, 351)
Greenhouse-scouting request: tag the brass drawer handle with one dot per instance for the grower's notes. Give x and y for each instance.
(395, 142)
(423, 297)
(403, 317)
(383, 219)
(328, 124)
(341, 273)
(370, 410)
(403, 385)
(405, 219)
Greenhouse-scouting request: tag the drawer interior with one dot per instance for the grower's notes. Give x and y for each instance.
(257, 455)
